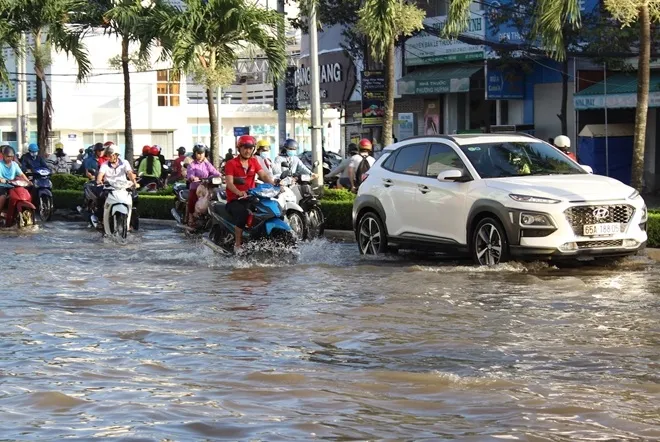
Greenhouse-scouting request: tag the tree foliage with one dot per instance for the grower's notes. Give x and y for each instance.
(627, 11)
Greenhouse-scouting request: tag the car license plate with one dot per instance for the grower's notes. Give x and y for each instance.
(602, 229)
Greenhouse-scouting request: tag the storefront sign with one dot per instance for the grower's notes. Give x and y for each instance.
(614, 101)
(406, 125)
(427, 48)
(336, 78)
(373, 98)
(507, 84)
(291, 90)
(432, 87)
(239, 131)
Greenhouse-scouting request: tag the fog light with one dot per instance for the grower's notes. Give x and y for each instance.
(630, 243)
(568, 247)
(534, 220)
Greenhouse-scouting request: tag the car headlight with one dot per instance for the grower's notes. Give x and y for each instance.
(535, 220)
(633, 195)
(533, 199)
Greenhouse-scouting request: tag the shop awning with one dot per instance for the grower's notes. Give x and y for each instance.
(437, 80)
(620, 91)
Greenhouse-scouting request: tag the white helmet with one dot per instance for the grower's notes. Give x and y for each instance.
(563, 142)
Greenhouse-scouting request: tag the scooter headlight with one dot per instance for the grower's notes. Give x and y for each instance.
(216, 181)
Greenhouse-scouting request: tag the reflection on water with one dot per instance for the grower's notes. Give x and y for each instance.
(160, 339)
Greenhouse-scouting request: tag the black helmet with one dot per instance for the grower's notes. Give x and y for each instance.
(181, 150)
(99, 146)
(199, 148)
(290, 144)
(352, 149)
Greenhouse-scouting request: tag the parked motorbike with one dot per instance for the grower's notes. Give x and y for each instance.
(20, 210)
(118, 211)
(265, 222)
(42, 194)
(299, 201)
(180, 210)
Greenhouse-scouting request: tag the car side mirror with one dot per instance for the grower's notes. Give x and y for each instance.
(239, 180)
(587, 169)
(452, 175)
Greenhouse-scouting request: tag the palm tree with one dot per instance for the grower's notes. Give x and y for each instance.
(383, 23)
(51, 24)
(208, 35)
(9, 37)
(645, 12)
(134, 22)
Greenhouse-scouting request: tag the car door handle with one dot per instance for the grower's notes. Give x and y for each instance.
(424, 189)
(387, 182)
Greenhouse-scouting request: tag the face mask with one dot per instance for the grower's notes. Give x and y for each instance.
(265, 154)
(33, 154)
(291, 153)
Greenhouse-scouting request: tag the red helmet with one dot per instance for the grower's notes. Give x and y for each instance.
(108, 143)
(153, 150)
(145, 150)
(246, 140)
(365, 144)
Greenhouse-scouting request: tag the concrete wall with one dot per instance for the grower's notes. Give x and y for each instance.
(547, 105)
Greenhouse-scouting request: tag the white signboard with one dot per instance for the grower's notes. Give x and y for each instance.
(406, 125)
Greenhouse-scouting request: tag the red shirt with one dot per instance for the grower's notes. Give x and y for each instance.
(177, 165)
(103, 160)
(235, 168)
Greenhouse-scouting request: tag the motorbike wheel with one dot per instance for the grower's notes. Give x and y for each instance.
(297, 223)
(221, 237)
(120, 225)
(25, 218)
(316, 222)
(45, 208)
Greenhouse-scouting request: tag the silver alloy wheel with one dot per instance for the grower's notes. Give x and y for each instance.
(297, 224)
(489, 245)
(370, 236)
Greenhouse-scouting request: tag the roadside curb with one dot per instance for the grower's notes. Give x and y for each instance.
(340, 235)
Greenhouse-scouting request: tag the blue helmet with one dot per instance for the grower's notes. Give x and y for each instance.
(290, 144)
(33, 148)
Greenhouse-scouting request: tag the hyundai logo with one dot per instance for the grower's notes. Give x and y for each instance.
(601, 213)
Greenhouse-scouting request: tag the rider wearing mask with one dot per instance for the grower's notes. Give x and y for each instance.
(9, 170)
(263, 156)
(113, 169)
(178, 171)
(291, 161)
(150, 167)
(32, 161)
(200, 168)
(91, 164)
(342, 168)
(246, 167)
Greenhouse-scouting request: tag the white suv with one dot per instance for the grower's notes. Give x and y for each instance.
(494, 197)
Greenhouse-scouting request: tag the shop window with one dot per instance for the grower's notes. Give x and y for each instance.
(9, 136)
(168, 88)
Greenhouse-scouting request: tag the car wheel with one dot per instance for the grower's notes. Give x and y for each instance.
(371, 235)
(489, 245)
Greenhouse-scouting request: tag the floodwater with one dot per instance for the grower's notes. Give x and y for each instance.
(159, 339)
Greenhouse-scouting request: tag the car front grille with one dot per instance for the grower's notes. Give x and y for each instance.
(599, 244)
(580, 216)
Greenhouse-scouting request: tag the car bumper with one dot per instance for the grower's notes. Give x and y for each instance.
(556, 254)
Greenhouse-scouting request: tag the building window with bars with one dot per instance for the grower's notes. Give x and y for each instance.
(168, 87)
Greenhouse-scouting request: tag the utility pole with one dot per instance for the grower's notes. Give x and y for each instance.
(314, 88)
(19, 99)
(219, 119)
(281, 87)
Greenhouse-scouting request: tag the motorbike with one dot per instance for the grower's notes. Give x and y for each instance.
(265, 221)
(20, 210)
(299, 200)
(180, 210)
(42, 193)
(119, 211)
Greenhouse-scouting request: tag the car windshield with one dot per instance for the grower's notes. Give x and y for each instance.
(508, 159)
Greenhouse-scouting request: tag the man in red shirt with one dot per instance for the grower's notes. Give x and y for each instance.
(246, 167)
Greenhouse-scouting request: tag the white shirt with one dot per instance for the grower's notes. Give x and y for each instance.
(112, 174)
(357, 159)
(265, 165)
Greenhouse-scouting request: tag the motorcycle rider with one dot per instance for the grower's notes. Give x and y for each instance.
(247, 167)
(32, 161)
(263, 156)
(9, 170)
(290, 161)
(364, 149)
(344, 181)
(200, 168)
(105, 158)
(114, 168)
(91, 163)
(563, 143)
(145, 152)
(178, 171)
(150, 167)
(59, 161)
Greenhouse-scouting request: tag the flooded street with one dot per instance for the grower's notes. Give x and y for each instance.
(160, 339)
